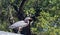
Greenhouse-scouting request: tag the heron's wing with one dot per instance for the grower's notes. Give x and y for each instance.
(18, 24)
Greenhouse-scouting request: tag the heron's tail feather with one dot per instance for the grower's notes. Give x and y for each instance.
(11, 27)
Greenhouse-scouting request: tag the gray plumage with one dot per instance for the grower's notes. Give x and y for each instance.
(20, 24)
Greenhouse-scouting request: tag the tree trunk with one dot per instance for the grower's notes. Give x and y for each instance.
(26, 30)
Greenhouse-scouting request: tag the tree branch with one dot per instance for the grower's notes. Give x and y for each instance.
(22, 4)
(20, 13)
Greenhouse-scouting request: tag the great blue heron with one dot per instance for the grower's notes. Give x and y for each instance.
(20, 24)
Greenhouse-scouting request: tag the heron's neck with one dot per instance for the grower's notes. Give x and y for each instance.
(26, 21)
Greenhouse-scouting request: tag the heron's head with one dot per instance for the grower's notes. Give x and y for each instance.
(28, 19)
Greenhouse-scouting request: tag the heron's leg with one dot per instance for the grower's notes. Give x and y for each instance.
(19, 30)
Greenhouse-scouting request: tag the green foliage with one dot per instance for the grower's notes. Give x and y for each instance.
(48, 23)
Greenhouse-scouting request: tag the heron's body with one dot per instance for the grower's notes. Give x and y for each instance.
(20, 24)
